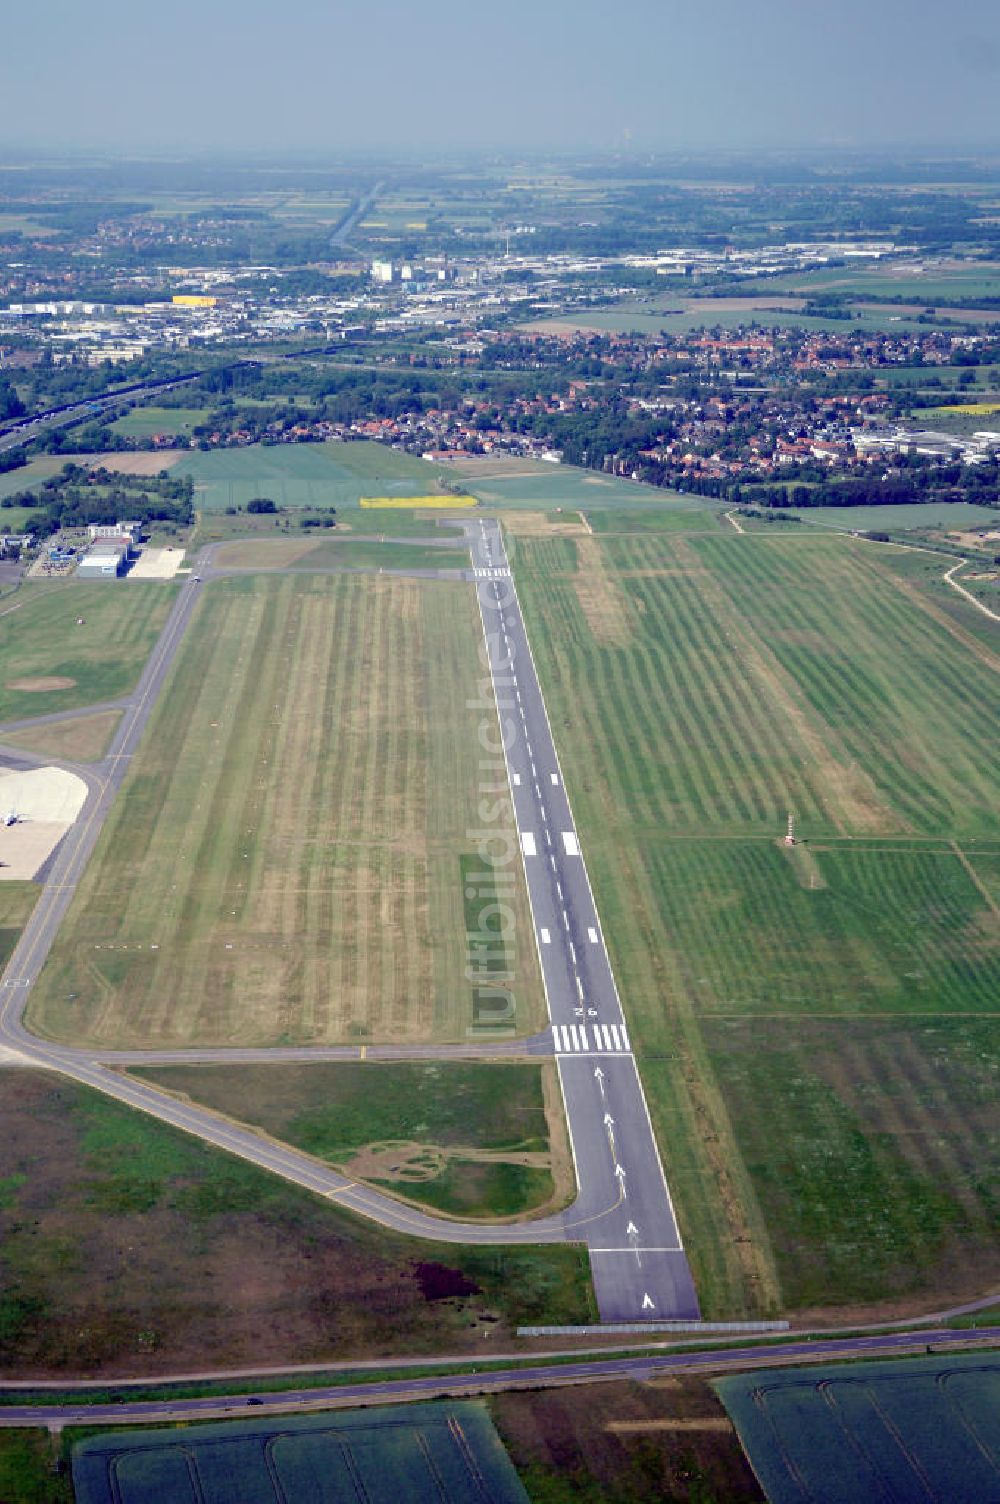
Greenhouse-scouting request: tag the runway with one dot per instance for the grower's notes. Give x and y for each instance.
(624, 1212)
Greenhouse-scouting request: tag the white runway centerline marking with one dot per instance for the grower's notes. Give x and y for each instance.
(571, 843)
(527, 843)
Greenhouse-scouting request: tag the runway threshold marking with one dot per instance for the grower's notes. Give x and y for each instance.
(528, 843)
(570, 842)
(592, 935)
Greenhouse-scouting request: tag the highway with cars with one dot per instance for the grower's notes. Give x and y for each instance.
(529, 1375)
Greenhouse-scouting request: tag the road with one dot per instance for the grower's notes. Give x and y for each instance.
(624, 1212)
(527, 1376)
(354, 218)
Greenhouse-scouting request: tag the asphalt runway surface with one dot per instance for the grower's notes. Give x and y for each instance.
(623, 1211)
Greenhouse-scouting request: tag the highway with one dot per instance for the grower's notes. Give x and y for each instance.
(123, 1410)
(624, 1212)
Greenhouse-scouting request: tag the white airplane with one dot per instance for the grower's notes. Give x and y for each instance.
(11, 817)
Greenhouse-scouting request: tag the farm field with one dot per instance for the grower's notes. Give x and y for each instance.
(437, 1453)
(559, 486)
(653, 519)
(28, 478)
(699, 689)
(284, 863)
(297, 476)
(472, 1140)
(626, 1443)
(130, 1248)
(680, 316)
(41, 641)
(144, 422)
(935, 514)
(918, 1428)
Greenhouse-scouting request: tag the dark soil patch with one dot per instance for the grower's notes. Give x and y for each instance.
(438, 1282)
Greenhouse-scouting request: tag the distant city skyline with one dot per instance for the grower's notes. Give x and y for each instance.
(346, 77)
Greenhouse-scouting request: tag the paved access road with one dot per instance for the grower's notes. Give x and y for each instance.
(528, 1376)
(624, 1212)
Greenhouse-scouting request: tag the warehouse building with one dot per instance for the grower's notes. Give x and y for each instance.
(106, 560)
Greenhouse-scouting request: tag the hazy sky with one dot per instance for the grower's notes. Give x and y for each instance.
(342, 75)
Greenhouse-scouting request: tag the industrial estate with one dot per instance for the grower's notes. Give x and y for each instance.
(499, 838)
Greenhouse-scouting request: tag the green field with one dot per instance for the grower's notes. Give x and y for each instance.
(561, 486)
(26, 1469)
(433, 1452)
(298, 476)
(144, 422)
(702, 687)
(130, 1248)
(656, 520)
(42, 638)
(284, 863)
(17, 900)
(932, 514)
(28, 478)
(911, 1429)
(702, 313)
(472, 1140)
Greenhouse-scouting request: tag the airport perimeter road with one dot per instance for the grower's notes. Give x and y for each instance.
(525, 1376)
(624, 1213)
(66, 869)
(103, 780)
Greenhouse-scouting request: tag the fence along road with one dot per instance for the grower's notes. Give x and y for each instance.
(623, 1213)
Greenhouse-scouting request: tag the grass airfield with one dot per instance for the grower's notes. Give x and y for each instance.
(288, 862)
(285, 862)
(815, 1028)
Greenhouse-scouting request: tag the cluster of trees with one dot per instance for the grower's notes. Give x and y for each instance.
(77, 497)
(948, 483)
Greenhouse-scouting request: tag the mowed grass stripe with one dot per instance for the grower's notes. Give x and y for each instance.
(281, 867)
(929, 702)
(681, 762)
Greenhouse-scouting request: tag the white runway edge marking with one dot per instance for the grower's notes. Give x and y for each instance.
(546, 937)
(592, 935)
(527, 843)
(571, 843)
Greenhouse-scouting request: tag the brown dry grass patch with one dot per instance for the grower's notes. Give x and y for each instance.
(43, 684)
(545, 525)
(140, 462)
(601, 598)
(82, 739)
